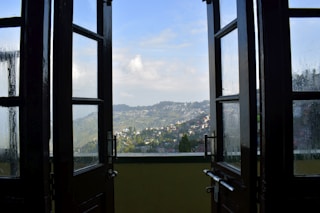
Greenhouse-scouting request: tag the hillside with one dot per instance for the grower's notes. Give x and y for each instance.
(157, 116)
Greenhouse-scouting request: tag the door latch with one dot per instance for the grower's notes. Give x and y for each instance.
(112, 173)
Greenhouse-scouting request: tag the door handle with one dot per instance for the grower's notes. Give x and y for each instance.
(112, 173)
(218, 179)
(112, 147)
(213, 176)
(115, 147)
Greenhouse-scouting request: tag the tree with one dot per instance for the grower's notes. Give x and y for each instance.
(184, 145)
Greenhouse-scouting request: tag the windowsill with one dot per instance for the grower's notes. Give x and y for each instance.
(161, 158)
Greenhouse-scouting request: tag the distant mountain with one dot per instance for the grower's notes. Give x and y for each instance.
(158, 115)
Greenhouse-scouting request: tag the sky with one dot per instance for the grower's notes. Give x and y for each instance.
(160, 48)
(160, 51)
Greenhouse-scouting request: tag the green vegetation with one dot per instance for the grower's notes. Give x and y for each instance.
(184, 145)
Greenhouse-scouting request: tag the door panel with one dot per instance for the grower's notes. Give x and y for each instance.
(233, 105)
(289, 94)
(82, 106)
(24, 106)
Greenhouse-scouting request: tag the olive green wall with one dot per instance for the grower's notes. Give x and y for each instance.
(161, 188)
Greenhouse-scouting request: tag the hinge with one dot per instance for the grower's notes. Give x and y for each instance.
(52, 186)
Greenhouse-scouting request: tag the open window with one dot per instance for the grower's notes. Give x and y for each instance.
(161, 78)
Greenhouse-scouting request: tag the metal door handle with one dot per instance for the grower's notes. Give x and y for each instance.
(112, 173)
(218, 180)
(228, 186)
(115, 146)
(213, 176)
(112, 147)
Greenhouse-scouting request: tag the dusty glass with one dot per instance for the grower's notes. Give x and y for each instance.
(9, 142)
(305, 53)
(306, 137)
(9, 61)
(231, 134)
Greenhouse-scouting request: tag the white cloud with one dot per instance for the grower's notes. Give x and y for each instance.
(135, 65)
(140, 80)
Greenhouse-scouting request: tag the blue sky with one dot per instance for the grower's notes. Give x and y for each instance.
(160, 48)
(160, 51)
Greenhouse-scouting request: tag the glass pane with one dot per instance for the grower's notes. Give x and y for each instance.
(230, 64)
(84, 67)
(85, 136)
(9, 142)
(231, 134)
(306, 137)
(10, 8)
(305, 52)
(85, 14)
(9, 61)
(228, 11)
(304, 3)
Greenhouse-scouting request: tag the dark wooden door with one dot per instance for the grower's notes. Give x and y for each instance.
(82, 106)
(290, 174)
(233, 106)
(24, 106)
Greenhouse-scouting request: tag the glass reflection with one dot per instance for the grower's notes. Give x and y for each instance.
(305, 52)
(231, 134)
(84, 67)
(230, 64)
(228, 11)
(9, 142)
(306, 137)
(85, 136)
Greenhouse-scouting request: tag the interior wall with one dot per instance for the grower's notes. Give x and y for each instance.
(161, 188)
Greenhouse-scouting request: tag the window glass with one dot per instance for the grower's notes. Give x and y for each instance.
(305, 53)
(230, 63)
(9, 142)
(231, 134)
(306, 137)
(84, 67)
(87, 19)
(9, 61)
(304, 3)
(228, 11)
(12, 8)
(85, 136)
(160, 76)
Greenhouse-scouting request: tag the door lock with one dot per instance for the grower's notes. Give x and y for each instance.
(112, 173)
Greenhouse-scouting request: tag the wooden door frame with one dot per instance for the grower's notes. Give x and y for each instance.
(247, 95)
(65, 178)
(30, 192)
(279, 186)
(63, 167)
